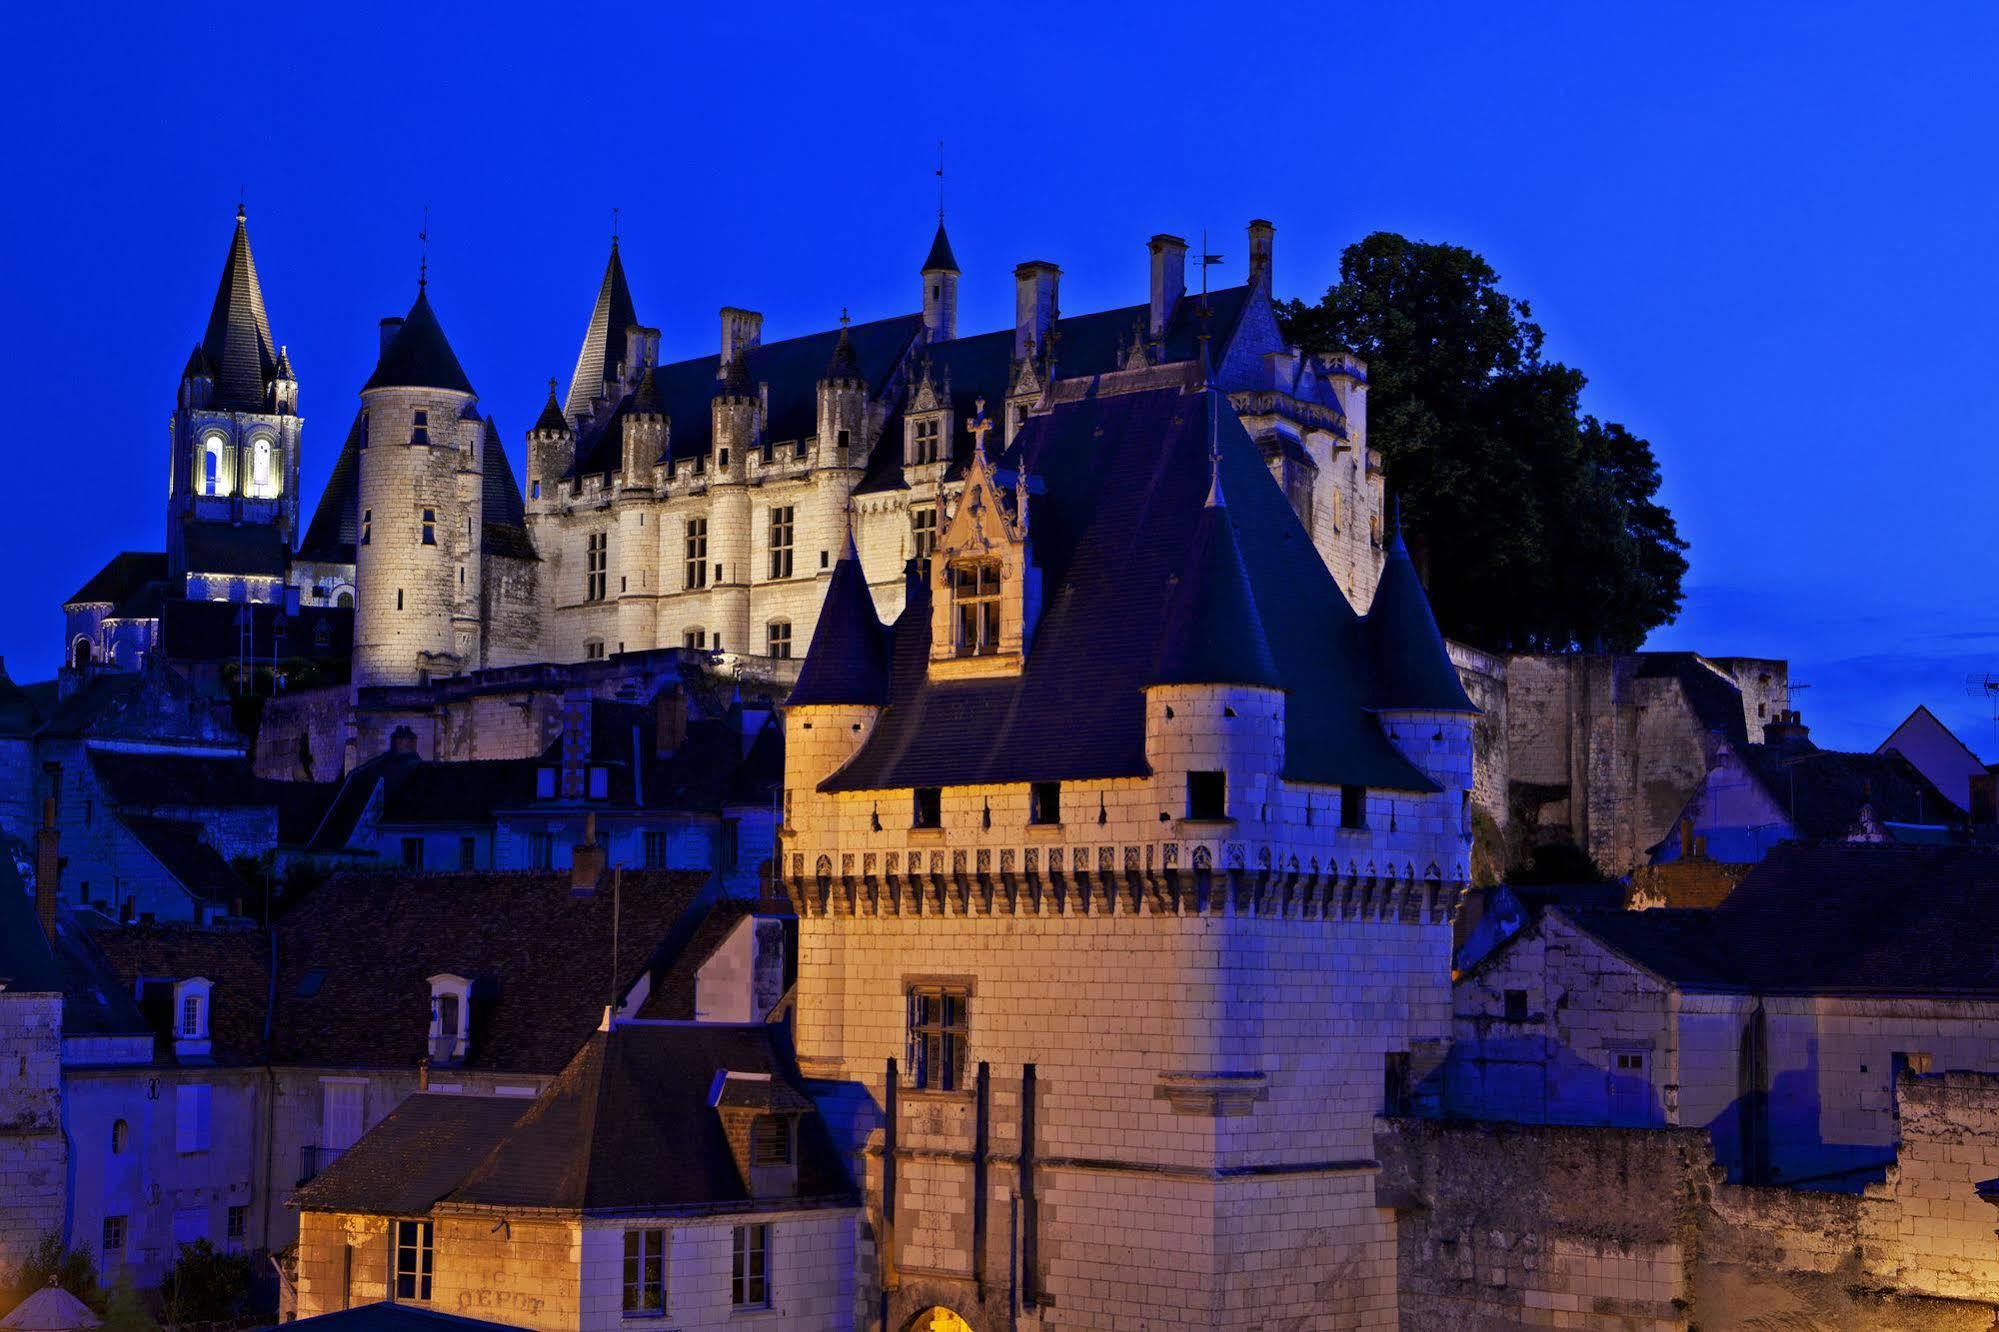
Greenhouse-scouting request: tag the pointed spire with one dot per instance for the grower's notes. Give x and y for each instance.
(845, 364)
(604, 342)
(1214, 632)
(1409, 665)
(848, 660)
(238, 341)
(420, 356)
(198, 365)
(551, 420)
(645, 398)
(940, 259)
(736, 382)
(284, 369)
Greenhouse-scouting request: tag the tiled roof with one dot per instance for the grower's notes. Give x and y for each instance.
(236, 961)
(237, 344)
(126, 573)
(136, 779)
(1406, 654)
(848, 659)
(414, 1157)
(1858, 918)
(604, 341)
(253, 549)
(1126, 477)
(419, 356)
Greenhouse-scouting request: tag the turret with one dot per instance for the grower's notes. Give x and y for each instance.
(843, 405)
(421, 495)
(645, 427)
(736, 425)
(1214, 704)
(1036, 292)
(842, 686)
(940, 289)
(551, 451)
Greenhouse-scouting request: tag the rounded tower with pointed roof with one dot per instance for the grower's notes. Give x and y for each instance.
(940, 288)
(417, 566)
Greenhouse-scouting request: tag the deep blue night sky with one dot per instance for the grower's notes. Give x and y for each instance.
(1768, 238)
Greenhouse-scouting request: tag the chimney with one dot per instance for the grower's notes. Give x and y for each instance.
(402, 740)
(669, 720)
(390, 327)
(1261, 238)
(1789, 730)
(1035, 286)
(48, 870)
(586, 861)
(1169, 280)
(575, 782)
(741, 330)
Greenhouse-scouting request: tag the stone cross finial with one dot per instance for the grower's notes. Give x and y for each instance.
(978, 425)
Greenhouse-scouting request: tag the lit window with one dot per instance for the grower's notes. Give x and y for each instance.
(778, 636)
(211, 465)
(938, 1020)
(780, 541)
(597, 549)
(749, 1281)
(975, 588)
(697, 554)
(923, 528)
(645, 1271)
(430, 527)
(414, 1260)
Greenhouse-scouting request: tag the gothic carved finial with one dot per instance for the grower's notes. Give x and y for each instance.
(978, 425)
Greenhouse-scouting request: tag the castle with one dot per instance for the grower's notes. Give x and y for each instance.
(696, 505)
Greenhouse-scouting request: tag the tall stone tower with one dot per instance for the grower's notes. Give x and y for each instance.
(417, 567)
(233, 482)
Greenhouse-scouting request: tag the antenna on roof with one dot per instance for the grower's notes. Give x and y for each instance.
(940, 182)
(423, 264)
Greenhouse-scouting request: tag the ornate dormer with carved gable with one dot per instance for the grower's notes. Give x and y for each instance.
(985, 585)
(926, 425)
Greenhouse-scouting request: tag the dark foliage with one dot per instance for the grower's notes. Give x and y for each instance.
(1537, 528)
(206, 1284)
(75, 1270)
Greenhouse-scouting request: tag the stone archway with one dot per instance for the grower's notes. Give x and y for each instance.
(936, 1319)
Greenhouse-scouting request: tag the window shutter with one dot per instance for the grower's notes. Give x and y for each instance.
(192, 1129)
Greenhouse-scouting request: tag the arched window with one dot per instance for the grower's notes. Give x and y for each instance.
(212, 482)
(121, 1137)
(79, 653)
(345, 600)
(263, 473)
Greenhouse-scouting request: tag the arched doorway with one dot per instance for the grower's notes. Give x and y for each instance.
(937, 1319)
(80, 654)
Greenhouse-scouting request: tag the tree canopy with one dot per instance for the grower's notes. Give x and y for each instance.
(1537, 528)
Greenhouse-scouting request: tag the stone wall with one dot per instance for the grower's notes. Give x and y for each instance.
(1484, 679)
(33, 1155)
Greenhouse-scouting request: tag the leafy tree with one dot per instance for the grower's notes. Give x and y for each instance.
(1537, 528)
(206, 1284)
(124, 1311)
(75, 1270)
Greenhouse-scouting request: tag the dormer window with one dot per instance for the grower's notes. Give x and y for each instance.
(975, 594)
(450, 1011)
(190, 1017)
(926, 440)
(770, 1140)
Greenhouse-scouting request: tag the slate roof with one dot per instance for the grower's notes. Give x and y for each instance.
(123, 575)
(1824, 790)
(95, 1002)
(627, 1126)
(179, 846)
(1214, 632)
(18, 713)
(419, 356)
(193, 630)
(847, 661)
(791, 369)
(253, 549)
(940, 257)
(142, 780)
(238, 344)
(1411, 667)
(236, 960)
(335, 528)
(503, 515)
(1126, 479)
(1830, 918)
(604, 341)
(414, 1157)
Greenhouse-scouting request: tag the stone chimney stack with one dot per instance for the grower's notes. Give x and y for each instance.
(48, 870)
(402, 740)
(1169, 281)
(1035, 289)
(741, 330)
(390, 327)
(1262, 238)
(574, 783)
(1788, 729)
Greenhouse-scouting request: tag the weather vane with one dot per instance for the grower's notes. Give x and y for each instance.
(423, 264)
(940, 182)
(614, 228)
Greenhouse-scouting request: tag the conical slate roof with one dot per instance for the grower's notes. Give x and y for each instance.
(844, 363)
(941, 259)
(604, 341)
(420, 356)
(1405, 651)
(551, 419)
(1214, 634)
(238, 341)
(645, 398)
(848, 660)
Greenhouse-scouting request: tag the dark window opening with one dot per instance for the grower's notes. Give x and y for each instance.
(1396, 1097)
(1044, 802)
(1516, 1005)
(1353, 807)
(929, 807)
(939, 1019)
(1207, 795)
(413, 853)
(770, 1141)
(414, 1260)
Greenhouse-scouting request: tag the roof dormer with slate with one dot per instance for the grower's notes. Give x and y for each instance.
(985, 584)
